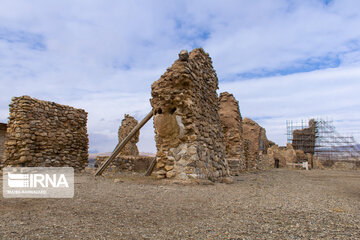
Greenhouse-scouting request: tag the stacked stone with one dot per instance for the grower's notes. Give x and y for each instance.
(189, 138)
(3, 127)
(126, 163)
(304, 139)
(42, 133)
(259, 142)
(247, 154)
(128, 124)
(231, 121)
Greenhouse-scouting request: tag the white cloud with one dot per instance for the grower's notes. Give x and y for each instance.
(104, 56)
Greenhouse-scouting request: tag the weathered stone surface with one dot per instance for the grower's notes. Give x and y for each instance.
(286, 157)
(3, 127)
(42, 133)
(231, 122)
(304, 139)
(126, 163)
(259, 143)
(128, 124)
(187, 125)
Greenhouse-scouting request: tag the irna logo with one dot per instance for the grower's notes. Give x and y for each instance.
(16, 180)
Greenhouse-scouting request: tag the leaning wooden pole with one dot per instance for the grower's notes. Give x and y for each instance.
(122, 144)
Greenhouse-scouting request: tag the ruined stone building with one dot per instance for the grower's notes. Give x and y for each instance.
(127, 124)
(231, 121)
(257, 143)
(304, 139)
(3, 127)
(42, 133)
(188, 133)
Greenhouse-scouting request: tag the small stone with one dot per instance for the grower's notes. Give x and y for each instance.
(227, 180)
(183, 55)
(170, 174)
(168, 167)
(117, 180)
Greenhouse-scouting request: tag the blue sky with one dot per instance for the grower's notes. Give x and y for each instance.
(283, 60)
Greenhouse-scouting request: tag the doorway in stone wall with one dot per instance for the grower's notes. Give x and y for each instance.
(276, 164)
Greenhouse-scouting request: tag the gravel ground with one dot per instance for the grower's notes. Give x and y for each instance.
(275, 204)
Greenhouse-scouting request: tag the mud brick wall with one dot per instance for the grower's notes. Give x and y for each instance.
(259, 142)
(128, 124)
(188, 133)
(126, 163)
(304, 139)
(231, 121)
(3, 127)
(42, 133)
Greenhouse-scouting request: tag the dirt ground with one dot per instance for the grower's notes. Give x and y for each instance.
(275, 204)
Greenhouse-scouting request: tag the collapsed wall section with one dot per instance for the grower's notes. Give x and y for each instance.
(126, 163)
(188, 133)
(231, 122)
(42, 133)
(127, 125)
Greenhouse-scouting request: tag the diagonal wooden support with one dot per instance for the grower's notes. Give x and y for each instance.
(122, 144)
(151, 167)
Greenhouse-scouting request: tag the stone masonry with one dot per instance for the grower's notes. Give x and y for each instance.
(304, 139)
(3, 127)
(188, 133)
(42, 133)
(128, 124)
(231, 121)
(259, 142)
(126, 163)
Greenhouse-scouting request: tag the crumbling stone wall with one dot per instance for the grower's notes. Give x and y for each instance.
(304, 139)
(231, 122)
(188, 133)
(259, 142)
(287, 155)
(247, 154)
(42, 133)
(128, 124)
(126, 163)
(3, 127)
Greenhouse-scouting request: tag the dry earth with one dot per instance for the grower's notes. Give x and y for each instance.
(276, 204)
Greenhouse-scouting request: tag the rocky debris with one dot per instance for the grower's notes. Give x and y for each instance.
(128, 124)
(126, 163)
(3, 127)
(188, 133)
(231, 122)
(42, 133)
(259, 143)
(304, 139)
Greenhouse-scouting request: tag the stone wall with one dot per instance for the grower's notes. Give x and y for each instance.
(188, 133)
(304, 139)
(126, 163)
(287, 156)
(128, 124)
(259, 142)
(231, 122)
(42, 133)
(3, 127)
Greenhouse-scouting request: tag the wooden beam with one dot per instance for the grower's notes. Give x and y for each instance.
(151, 167)
(122, 144)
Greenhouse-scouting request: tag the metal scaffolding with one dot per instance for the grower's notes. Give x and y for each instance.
(319, 137)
